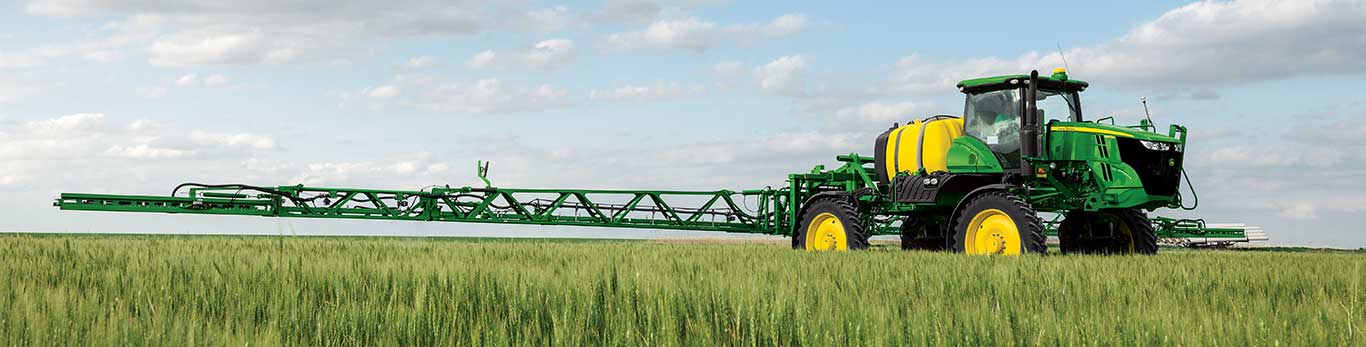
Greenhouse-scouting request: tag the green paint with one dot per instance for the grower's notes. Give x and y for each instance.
(970, 155)
(1002, 81)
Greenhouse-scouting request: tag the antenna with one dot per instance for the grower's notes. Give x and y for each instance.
(1064, 60)
(1145, 109)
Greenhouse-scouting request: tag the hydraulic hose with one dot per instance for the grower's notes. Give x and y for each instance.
(276, 192)
(1194, 197)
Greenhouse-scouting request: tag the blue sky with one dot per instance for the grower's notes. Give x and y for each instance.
(135, 97)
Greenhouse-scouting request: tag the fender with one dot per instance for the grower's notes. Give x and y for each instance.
(807, 202)
(914, 189)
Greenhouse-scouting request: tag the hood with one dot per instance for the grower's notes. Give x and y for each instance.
(1114, 130)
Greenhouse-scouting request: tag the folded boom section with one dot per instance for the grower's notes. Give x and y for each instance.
(751, 211)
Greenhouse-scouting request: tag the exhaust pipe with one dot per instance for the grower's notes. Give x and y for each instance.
(1029, 126)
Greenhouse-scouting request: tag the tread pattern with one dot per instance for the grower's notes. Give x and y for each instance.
(1070, 231)
(1031, 230)
(912, 228)
(1145, 237)
(1077, 224)
(843, 207)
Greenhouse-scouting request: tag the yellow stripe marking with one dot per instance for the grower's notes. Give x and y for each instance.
(1091, 130)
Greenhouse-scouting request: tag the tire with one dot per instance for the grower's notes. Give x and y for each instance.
(1121, 231)
(923, 233)
(1074, 234)
(1141, 230)
(830, 223)
(1013, 222)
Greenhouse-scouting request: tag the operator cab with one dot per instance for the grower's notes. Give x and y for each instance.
(996, 107)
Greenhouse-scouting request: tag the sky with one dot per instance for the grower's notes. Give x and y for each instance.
(135, 97)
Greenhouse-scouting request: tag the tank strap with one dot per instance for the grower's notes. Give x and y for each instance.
(896, 153)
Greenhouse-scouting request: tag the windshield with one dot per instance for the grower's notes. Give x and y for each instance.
(994, 118)
(1055, 105)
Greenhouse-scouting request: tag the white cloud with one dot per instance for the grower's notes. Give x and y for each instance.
(1261, 156)
(187, 80)
(782, 76)
(698, 35)
(707, 2)
(94, 51)
(486, 96)
(689, 34)
(878, 113)
(21, 59)
(437, 168)
(87, 135)
(109, 49)
(544, 55)
(231, 47)
(1301, 174)
(419, 169)
(242, 140)
(729, 74)
(195, 80)
(1300, 211)
(550, 53)
(1216, 43)
(215, 80)
(671, 90)
(483, 60)
(916, 75)
(333, 173)
(560, 17)
(624, 11)
(548, 19)
(382, 92)
(103, 56)
(144, 151)
(257, 32)
(782, 149)
(152, 92)
(73, 123)
(421, 62)
(14, 88)
(786, 25)
(728, 69)
(273, 32)
(1201, 45)
(403, 168)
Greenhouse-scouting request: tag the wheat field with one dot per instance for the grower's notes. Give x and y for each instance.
(129, 290)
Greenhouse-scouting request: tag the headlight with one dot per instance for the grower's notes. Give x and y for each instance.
(1161, 146)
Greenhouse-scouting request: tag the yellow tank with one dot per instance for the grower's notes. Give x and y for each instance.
(899, 149)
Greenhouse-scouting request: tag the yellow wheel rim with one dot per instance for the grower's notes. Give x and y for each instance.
(992, 232)
(1123, 229)
(826, 233)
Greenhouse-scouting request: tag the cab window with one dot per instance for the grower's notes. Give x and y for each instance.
(1055, 105)
(994, 118)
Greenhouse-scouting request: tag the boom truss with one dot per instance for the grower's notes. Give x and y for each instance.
(720, 210)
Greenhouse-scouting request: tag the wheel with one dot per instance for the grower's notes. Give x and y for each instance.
(923, 233)
(1074, 234)
(997, 223)
(830, 224)
(1122, 231)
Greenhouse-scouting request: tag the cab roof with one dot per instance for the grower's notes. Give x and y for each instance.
(1058, 81)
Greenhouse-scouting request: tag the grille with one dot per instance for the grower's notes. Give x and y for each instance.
(1160, 170)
